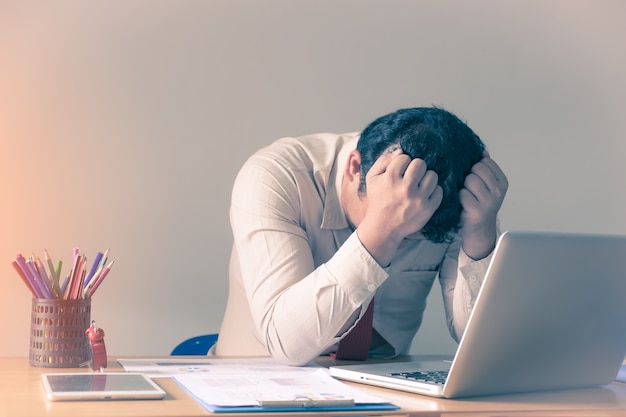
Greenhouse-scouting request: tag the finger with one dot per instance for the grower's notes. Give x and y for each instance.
(480, 194)
(383, 161)
(475, 185)
(490, 174)
(415, 170)
(498, 174)
(428, 184)
(436, 197)
(493, 167)
(467, 199)
(398, 165)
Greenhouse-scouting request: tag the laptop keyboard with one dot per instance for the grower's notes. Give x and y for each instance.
(432, 377)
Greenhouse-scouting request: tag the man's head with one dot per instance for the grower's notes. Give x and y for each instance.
(447, 145)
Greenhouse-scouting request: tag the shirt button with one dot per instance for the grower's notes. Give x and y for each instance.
(473, 278)
(371, 287)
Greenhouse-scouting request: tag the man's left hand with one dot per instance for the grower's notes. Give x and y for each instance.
(481, 198)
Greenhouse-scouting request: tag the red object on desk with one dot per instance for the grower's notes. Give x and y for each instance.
(95, 335)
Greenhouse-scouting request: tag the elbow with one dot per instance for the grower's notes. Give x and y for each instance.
(293, 357)
(292, 354)
(295, 361)
(291, 346)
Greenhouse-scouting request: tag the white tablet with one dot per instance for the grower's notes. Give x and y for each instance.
(100, 386)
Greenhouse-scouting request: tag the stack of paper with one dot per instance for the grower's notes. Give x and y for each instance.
(249, 385)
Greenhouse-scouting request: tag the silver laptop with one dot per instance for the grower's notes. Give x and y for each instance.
(551, 314)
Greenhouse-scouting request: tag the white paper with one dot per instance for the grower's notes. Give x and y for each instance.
(246, 382)
(247, 389)
(164, 368)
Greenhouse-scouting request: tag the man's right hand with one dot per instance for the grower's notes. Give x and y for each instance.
(402, 196)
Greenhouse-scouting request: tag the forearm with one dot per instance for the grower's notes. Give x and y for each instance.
(468, 281)
(479, 243)
(380, 242)
(300, 319)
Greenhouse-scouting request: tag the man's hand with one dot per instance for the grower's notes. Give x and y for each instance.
(484, 190)
(402, 195)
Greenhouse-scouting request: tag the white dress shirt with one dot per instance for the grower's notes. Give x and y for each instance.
(298, 272)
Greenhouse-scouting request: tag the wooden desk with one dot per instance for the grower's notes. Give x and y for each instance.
(21, 394)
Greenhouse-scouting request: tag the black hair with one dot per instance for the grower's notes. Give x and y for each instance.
(447, 145)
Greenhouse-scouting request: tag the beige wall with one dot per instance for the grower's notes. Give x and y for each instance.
(123, 124)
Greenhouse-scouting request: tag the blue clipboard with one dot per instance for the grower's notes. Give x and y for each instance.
(259, 409)
(297, 405)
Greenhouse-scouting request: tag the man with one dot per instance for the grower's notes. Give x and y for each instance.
(324, 224)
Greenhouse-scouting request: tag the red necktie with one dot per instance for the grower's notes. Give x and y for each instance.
(356, 344)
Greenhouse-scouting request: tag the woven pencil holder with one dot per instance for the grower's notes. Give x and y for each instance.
(57, 332)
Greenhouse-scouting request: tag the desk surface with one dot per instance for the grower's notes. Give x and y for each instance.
(21, 394)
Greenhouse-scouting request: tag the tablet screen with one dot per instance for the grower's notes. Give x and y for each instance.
(100, 386)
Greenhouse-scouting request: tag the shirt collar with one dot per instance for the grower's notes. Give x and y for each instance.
(334, 216)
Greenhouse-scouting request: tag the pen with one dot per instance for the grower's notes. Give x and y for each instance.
(21, 261)
(77, 279)
(69, 289)
(66, 283)
(24, 278)
(53, 274)
(58, 270)
(94, 284)
(44, 280)
(101, 265)
(43, 276)
(104, 259)
(80, 286)
(43, 289)
(94, 268)
(95, 277)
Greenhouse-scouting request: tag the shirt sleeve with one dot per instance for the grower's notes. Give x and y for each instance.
(461, 280)
(298, 309)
